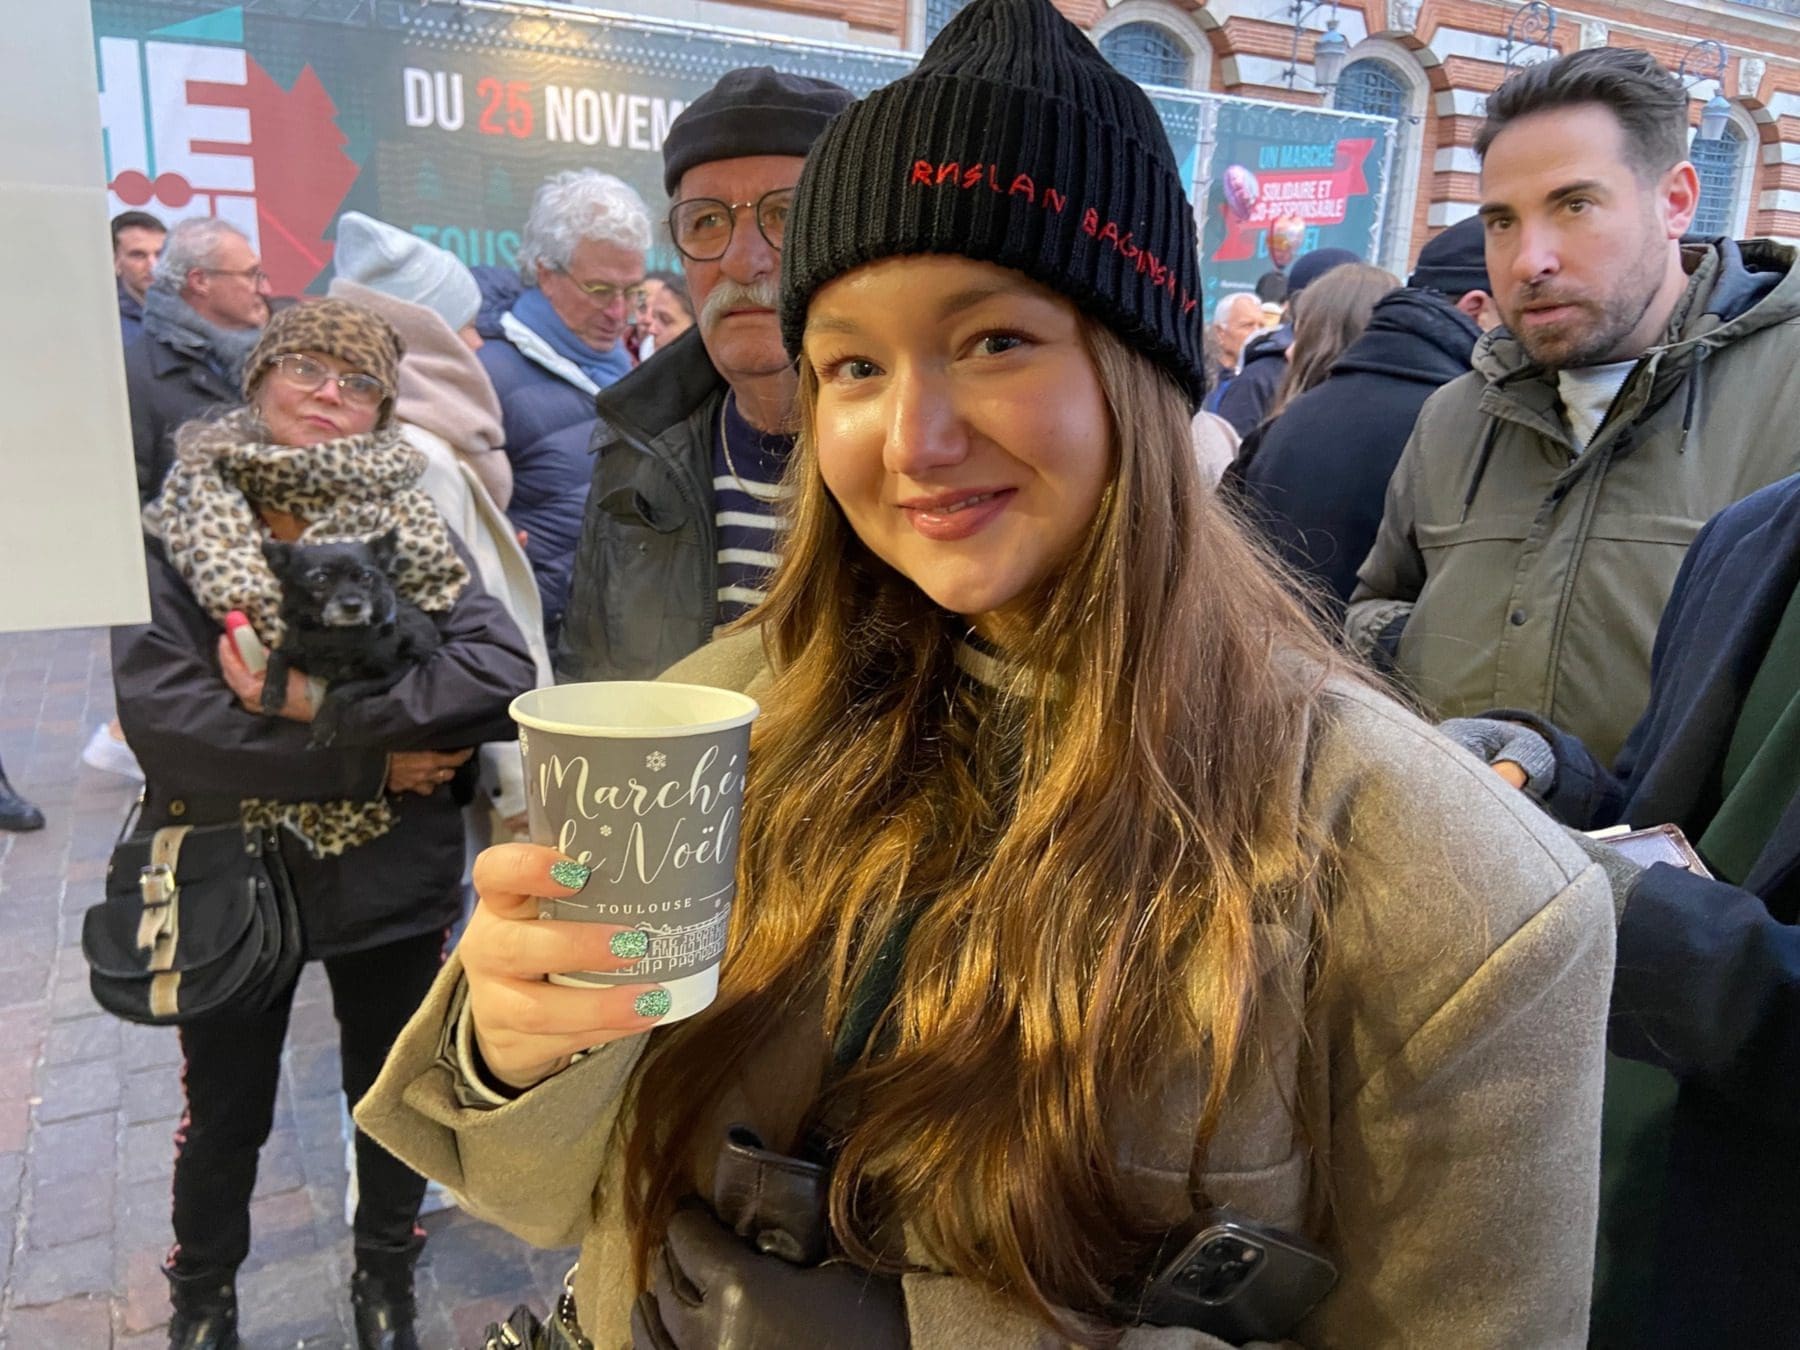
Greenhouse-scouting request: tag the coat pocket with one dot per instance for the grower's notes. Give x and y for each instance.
(653, 587)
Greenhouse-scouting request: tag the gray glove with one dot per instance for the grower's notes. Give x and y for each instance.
(1621, 872)
(1493, 741)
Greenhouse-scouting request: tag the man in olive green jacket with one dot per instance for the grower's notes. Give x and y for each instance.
(1538, 515)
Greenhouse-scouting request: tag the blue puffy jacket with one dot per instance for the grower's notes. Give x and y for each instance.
(549, 425)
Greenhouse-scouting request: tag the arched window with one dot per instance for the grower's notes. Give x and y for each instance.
(1147, 54)
(937, 14)
(1721, 167)
(1373, 86)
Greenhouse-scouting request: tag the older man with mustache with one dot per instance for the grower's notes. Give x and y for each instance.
(686, 502)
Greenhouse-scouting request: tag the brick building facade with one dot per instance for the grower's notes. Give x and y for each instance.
(1430, 63)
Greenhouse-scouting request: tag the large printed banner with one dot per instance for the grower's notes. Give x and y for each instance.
(1285, 181)
(444, 121)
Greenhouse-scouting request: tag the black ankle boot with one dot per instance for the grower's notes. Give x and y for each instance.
(205, 1312)
(15, 812)
(381, 1296)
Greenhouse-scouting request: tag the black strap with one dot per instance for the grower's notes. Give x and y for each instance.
(873, 993)
(870, 1000)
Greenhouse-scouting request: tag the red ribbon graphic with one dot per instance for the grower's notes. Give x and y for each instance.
(1316, 196)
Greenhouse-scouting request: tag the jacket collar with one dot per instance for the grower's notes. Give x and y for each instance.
(534, 348)
(168, 361)
(662, 393)
(1734, 290)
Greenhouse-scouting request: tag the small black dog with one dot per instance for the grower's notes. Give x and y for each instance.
(343, 623)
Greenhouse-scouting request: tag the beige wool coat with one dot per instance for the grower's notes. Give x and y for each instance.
(1451, 1058)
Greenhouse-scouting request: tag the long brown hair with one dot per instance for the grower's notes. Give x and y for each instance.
(1329, 315)
(1088, 855)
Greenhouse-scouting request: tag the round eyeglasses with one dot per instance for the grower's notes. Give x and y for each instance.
(604, 293)
(702, 226)
(309, 376)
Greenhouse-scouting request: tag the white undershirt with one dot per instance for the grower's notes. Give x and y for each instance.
(1587, 396)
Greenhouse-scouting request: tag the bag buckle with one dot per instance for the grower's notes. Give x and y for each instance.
(156, 882)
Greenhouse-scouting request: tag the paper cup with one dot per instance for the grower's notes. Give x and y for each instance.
(644, 782)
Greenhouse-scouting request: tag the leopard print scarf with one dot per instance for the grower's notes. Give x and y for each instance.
(355, 487)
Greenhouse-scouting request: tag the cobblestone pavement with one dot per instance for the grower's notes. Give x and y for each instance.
(88, 1104)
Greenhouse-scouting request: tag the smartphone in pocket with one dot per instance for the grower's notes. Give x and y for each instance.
(1236, 1278)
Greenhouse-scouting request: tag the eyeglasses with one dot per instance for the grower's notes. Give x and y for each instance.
(254, 275)
(603, 293)
(702, 226)
(309, 376)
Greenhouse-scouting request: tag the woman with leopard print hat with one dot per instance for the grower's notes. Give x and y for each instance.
(372, 824)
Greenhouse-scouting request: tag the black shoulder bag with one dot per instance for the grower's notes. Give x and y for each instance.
(197, 920)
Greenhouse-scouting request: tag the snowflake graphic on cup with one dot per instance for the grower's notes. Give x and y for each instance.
(655, 761)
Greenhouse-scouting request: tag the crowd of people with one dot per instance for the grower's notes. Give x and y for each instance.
(1188, 735)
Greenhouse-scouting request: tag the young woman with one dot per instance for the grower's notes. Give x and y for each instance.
(666, 313)
(1330, 315)
(1083, 888)
(371, 829)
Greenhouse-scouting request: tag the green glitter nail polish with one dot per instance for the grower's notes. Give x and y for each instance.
(653, 1003)
(631, 944)
(574, 875)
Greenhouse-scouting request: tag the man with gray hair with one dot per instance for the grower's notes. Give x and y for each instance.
(1236, 319)
(551, 344)
(207, 303)
(686, 505)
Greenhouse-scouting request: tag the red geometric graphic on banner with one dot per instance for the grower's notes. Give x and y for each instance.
(302, 172)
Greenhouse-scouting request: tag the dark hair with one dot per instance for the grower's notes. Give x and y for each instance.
(1272, 287)
(676, 283)
(1649, 102)
(135, 220)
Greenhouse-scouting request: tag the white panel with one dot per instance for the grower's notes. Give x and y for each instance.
(1449, 213)
(1461, 103)
(69, 509)
(1457, 159)
(1265, 70)
(1462, 42)
(1779, 199)
(39, 120)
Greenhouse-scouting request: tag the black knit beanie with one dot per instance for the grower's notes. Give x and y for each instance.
(754, 111)
(1455, 262)
(1013, 142)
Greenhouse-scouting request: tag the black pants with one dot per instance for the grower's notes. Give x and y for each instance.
(232, 1065)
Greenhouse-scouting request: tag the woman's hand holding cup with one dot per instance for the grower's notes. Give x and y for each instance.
(525, 1027)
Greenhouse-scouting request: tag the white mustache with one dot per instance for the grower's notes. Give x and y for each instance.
(728, 295)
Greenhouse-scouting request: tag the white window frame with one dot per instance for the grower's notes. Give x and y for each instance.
(1407, 166)
(1178, 25)
(1738, 221)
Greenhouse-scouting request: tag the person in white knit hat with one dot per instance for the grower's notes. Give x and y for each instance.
(448, 410)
